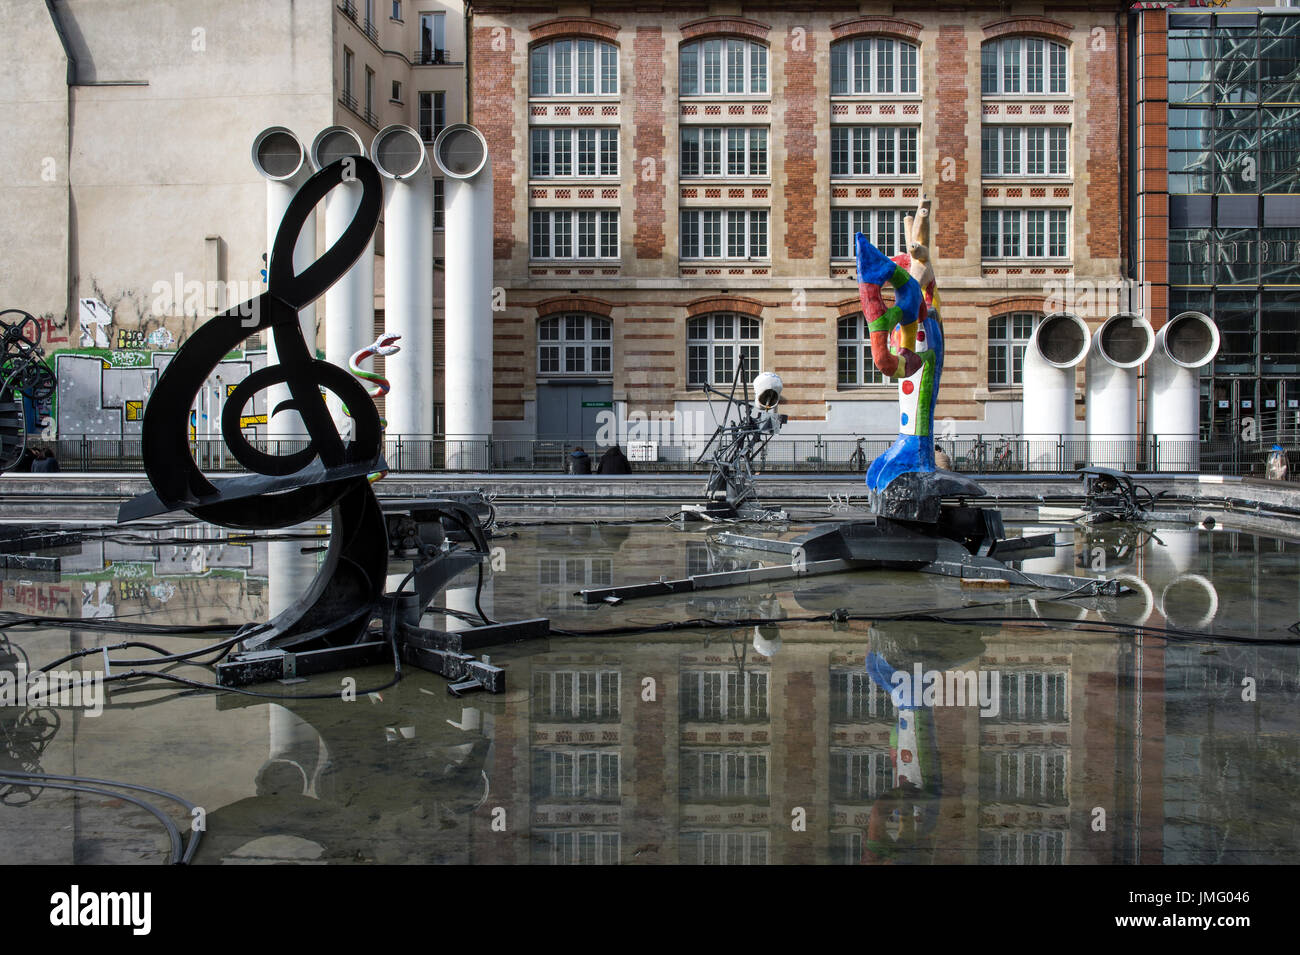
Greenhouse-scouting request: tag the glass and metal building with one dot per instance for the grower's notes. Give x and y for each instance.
(1233, 204)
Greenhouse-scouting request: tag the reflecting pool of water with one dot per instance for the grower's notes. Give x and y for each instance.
(776, 736)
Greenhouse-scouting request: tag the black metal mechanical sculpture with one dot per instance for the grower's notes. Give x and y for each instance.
(345, 619)
(736, 448)
(23, 372)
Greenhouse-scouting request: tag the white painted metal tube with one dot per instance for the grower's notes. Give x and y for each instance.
(461, 154)
(279, 157)
(349, 302)
(408, 279)
(1058, 344)
(1184, 344)
(1119, 347)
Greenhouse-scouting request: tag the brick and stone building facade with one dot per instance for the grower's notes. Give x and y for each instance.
(677, 188)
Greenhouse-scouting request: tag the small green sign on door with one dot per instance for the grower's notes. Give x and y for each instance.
(598, 404)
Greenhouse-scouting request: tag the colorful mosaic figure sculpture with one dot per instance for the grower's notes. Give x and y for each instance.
(906, 344)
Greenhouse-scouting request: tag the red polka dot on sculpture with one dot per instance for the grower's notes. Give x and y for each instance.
(920, 335)
(908, 387)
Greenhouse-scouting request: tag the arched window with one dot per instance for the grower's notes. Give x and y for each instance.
(717, 344)
(854, 368)
(573, 67)
(1024, 66)
(725, 65)
(873, 64)
(1008, 336)
(574, 344)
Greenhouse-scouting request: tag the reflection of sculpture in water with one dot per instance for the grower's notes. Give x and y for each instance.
(904, 817)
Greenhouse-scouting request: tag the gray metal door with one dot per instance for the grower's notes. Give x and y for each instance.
(568, 410)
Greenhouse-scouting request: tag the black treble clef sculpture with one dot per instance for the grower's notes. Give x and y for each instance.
(290, 488)
(305, 482)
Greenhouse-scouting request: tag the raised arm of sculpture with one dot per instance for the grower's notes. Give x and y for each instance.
(906, 342)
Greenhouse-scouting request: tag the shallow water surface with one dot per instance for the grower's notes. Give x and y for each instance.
(763, 739)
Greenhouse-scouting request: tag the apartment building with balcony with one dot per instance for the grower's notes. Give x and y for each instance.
(677, 191)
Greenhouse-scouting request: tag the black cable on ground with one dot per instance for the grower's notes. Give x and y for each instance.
(192, 844)
(177, 853)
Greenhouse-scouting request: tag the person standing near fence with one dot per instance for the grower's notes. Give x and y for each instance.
(1277, 469)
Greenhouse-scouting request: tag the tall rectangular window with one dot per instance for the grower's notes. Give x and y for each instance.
(1024, 233)
(881, 226)
(574, 234)
(719, 233)
(722, 66)
(733, 151)
(1024, 150)
(874, 150)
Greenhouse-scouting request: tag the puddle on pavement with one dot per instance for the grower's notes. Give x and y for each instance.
(755, 744)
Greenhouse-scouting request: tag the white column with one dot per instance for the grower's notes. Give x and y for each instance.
(1187, 342)
(408, 279)
(1122, 343)
(279, 156)
(1058, 344)
(349, 302)
(462, 156)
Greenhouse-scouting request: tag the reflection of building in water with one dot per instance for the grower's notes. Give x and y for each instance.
(560, 578)
(724, 761)
(576, 790)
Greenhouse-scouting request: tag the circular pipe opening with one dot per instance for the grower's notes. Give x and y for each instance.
(460, 151)
(278, 154)
(1190, 339)
(334, 143)
(1061, 339)
(1126, 340)
(398, 151)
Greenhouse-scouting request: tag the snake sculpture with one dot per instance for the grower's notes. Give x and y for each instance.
(382, 346)
(906, 343)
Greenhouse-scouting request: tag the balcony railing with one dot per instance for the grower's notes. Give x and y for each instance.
(371, 31)
(371, 117)
(430, 57)
(349, 9)
(349, 100)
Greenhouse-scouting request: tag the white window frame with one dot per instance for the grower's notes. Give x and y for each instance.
(880, 225)
(586, 344)
(697, 229)
(711, 348)
(566, 766)
(437, 105)
(1027, 225)
(694, 70)
(1014, 70)
(1012, 344)
(604, 60)
(996, 138)
(862, 150)
(567, 686)
(605, 143)
(714, 773)
(857, 67)
(867, 375)
(741, 696)
(606, 226)
(725, 137)
(731, 847)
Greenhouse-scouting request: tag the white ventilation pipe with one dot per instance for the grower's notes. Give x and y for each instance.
(1058, 344)
(279, 157)
(461, 154)
(349, 302)
(408, 279)
(1122, 343)
(1184, 344)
